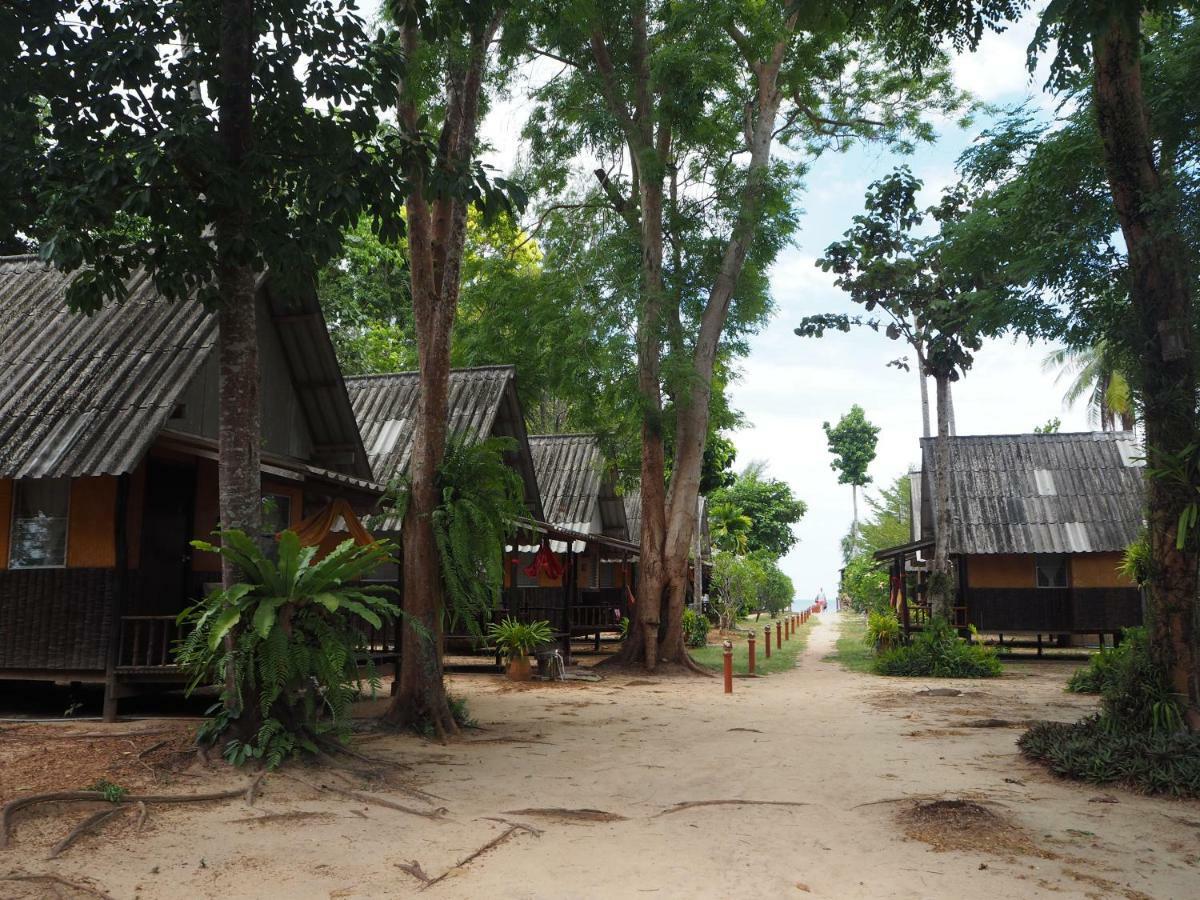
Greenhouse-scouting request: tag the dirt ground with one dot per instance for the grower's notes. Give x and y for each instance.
(819, 782)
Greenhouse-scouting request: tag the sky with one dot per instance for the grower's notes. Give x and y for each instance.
(789, 385)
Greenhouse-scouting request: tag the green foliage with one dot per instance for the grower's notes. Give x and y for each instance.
(767, 508)
(852, 442)
(113, 793)
(939, 652)
(295, 635)
(695, 628)
(865, 581)
(481, 499)
(1137, 563)
(517, 639)
(735, 586)
(729, 526)
(1050, 427)
(460, 712)
(883, 630)
(888, 521)
(1138, 737)
(1101, 673)
(1165, 762)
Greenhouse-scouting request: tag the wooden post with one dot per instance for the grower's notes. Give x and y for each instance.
(119, 599)
(750, 651)
(787, 628)
(767, 640)
(728, 645)
(778, 635)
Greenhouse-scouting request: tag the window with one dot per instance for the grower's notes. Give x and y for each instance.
(39, 524)
(1051, 571)
(276, 513)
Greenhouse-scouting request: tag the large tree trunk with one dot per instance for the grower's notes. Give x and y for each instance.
(919, 347)
(1163, 309)
(239, 412)
(436, 240)
(941, 583)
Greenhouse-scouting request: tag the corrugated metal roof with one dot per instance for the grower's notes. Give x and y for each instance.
(87, 395)
(577, 484)
(483, 402)
(1040, 493)
(633, 515)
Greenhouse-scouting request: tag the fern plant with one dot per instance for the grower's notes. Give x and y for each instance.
(296, 643)
(481, 500)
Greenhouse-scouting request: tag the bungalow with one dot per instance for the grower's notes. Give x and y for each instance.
(579, 495)
(1038, 526)
(108, 449)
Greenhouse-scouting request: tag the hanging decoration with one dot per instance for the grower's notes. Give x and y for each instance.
(545, 561)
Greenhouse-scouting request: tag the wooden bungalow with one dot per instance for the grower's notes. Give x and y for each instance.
(108, 449)
(579, 496)
(1039, 523)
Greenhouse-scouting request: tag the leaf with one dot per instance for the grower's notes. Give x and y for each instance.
(264, 616)
(225, 621)
(329, 600)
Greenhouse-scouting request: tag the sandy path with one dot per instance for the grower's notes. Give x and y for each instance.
(836, 741)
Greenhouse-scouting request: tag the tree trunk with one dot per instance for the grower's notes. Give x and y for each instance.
(953, 425)
(853, 517)
(919, 346)
(239, 412)
(436, 240)
(1162, 302)
(941, 584)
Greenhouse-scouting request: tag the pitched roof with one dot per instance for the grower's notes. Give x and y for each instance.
(577, 484)
(1040, 493)
(87, 395)
(633, 515)
(483, 403)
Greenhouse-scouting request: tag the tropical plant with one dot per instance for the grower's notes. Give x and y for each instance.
(1101, 673)
(1095, 376)
(695, 628)
(729, 526)
(295, 629)
(866, 584)
(1137, 560)
(516, 639)
(883, 630)
(768, 504)
(939, 652)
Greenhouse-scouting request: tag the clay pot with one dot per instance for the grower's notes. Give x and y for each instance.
(520, 669)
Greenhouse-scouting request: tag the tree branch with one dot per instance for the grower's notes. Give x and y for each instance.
(619, 203)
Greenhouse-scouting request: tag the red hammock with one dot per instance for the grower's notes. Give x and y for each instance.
(545, 561)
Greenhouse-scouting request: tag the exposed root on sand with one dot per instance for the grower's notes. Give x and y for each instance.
(416, 871)
(562, 814)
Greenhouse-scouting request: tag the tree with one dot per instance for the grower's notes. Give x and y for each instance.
(775, 589)
(931, 296)
(207, 144)
(682, 104)
(1051, 426)
(852, 442)
(888, 524)
(450, 54)
(1095, 374)
(1127, 64)
(769, 506)
(729, 526)
(735, 587)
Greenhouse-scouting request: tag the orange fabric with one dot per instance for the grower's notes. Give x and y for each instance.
(313, 530)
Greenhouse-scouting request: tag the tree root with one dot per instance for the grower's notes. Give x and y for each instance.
(569, 815)
(414, 868)
(692, 804)
(437, 813)
(95, 820)
(54, 879)
(13, 806)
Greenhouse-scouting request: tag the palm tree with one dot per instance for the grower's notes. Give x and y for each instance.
(729, 527)
(1095, 374)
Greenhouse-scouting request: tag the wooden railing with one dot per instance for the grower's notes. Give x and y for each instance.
(148, 641)
(589, 618)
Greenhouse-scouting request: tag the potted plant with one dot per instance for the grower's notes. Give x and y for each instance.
(883, 631)
(516, 640)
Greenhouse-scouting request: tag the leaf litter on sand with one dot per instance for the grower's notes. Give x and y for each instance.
(967, 826)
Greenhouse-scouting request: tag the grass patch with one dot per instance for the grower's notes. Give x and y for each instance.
(712, 656)
(851, 649)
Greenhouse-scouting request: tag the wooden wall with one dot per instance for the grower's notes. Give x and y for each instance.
(6, 487)
(1097, 570)
(1001, 570)
(91, 526)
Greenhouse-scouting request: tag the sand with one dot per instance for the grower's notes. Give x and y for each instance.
(579, 786)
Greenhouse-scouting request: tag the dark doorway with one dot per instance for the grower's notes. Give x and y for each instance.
(166, 555)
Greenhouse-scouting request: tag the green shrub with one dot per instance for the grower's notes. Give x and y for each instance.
(297, 629)
(695, 629)
(1101, 672)
(867, 584)
(883, 630)
(1137, 697)
(939, 652)
(1091, 750)
(516, 639)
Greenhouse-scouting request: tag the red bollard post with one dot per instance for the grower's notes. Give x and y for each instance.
(750, 651)
(728, 667)
(767, 639)
(778, 635)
